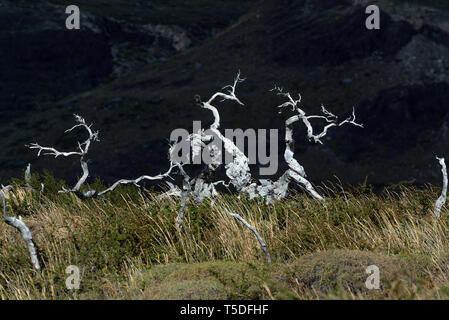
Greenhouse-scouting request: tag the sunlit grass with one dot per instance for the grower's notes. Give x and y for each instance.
(117, 240)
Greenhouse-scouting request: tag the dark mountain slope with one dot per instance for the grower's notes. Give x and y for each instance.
(344, 66)
(324, 33)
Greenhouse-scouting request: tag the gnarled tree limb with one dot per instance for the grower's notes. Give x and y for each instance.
(442, 199)
(25, 233)
(138, 180)
(83, 150)
(296, 171)
(238, 170)
(250, 227)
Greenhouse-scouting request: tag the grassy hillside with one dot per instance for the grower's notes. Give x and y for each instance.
(127, 246)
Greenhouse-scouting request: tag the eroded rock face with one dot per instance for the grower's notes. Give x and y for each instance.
(41, 61)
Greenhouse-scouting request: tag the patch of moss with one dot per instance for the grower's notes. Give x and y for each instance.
(210, 280)
(187, 290)
(334, 271)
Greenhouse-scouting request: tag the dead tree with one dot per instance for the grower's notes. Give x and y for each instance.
(296, 172)
(82, 153)
(442, 199)
(24, 232)
(201, 186)
(274, 191)
(237, 170)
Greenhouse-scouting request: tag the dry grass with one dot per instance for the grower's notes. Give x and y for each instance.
(116, 241)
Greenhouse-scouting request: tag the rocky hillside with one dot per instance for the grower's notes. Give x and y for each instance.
(134, 69)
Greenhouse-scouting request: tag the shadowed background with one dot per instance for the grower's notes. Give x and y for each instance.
(134, 67)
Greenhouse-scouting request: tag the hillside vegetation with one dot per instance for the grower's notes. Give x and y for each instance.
(134, 71)
(127, 246)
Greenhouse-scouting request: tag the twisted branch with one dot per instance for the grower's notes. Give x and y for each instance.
(25, 233)
(138, 180)
(238, 170)
(296, 171)
(250, 227)
(83, 150)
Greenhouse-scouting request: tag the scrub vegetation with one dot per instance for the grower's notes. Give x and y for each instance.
(127, 245)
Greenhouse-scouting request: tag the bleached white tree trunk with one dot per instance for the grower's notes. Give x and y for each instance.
(237, 171)
(24, 232)
(442, 199)
(82, 153)
(250, 227)
(296, 172)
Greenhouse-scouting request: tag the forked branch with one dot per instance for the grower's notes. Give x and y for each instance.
(296, 171)
(82, 153)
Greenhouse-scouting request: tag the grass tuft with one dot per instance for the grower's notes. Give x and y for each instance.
(127, 246)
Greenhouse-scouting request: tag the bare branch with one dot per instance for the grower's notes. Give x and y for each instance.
(83, 150)
(186, 189)
(7, 188)
(138, 180)
(173, 191)
(442, 199)
(246, 224)
(28, 175)
(296, 171)
(230, 95)
(25, 233)
(27, 178)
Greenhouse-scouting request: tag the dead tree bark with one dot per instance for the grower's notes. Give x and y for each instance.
(24, 232)
(442, 199)
(237, 171)
(82, 153)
